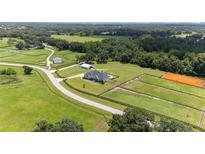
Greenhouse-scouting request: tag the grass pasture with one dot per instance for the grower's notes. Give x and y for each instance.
(32, 56)
(23, 104)
(76, 38)
(166, 94)
(154, 80)
(124, 71)
(173, 110)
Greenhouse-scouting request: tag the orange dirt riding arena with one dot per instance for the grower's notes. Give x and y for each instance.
(184, 79)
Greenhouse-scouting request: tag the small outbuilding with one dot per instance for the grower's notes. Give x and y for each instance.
(57, 60)
(97, 76)
(86, 66)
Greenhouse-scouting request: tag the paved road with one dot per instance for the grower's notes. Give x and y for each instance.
(48, 62)
(66, 92)
(60, 69)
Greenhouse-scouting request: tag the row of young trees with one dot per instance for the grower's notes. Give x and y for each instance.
(8, 71)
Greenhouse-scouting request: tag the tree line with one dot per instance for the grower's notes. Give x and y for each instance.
(130, 51)
(137, 120)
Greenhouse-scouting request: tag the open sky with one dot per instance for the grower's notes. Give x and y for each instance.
(102, 10)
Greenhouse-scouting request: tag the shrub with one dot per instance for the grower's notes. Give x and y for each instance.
(65, 125)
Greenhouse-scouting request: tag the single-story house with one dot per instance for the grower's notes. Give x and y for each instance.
(86, 66)
(97, 76)
(57, 60)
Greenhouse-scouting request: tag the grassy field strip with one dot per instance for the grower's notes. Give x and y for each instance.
(202, 119)
(163, 107)
(75, 38)
(33, 56)
(154, 80)
(166, 94)
(94, 98)
(75, 70)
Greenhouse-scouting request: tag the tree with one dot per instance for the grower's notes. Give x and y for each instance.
(43, 126)
(65, 125)
(169, 125)
(125, 58)
(133, 120)
(27, 70)
(8, 71)
(20, 45)
(136, 120)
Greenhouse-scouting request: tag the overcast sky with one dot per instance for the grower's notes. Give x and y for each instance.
(103, 10)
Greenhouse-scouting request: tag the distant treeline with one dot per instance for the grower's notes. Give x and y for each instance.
(167, 58)
(147, 48)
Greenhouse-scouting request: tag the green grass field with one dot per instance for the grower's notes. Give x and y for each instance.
(166, 94)
(172, 85)
(72, 71)
(4, 43)
(124, 71)
(32, 56)
(68, 58)
(24, 103)
(78, 38)
(173, 110)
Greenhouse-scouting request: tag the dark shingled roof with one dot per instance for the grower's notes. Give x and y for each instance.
(97, 76)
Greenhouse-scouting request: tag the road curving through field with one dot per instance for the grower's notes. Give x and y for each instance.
(68, 93)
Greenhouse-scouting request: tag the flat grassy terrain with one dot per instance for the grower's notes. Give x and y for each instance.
(24, 103)
(124, 71)
(173, 85)
(75, 38)
(173, 110)
(72, 71)
(166, 94)
(68, 58)
(32, 56)
(96, 99)
(4, 43)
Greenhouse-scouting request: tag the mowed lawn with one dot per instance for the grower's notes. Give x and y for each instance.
(76, 38)
(166, 94)
(75, 70)
(32, 56)
(173, 110)
(24, 103)
(124, 71)
(172, 85)
(68, 58)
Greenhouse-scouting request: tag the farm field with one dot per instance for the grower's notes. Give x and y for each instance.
(173, 110)
(68, 58)
(124, 71)
(148, 91)
(30, 100)
(75, 38)
(172, 85)
(32, 56)
(165, 94)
